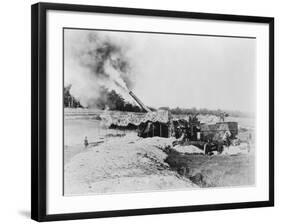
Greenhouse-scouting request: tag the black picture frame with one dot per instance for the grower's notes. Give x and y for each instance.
(39, 108)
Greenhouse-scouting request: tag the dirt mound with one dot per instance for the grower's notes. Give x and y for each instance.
(122, 165)
(189, 149)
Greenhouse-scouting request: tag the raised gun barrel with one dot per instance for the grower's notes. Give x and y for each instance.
(139, 102)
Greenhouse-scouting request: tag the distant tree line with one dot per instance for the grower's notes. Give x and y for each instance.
(194, 110)
(205, 111)
(68, 99)
(107, 100)
(114, 101)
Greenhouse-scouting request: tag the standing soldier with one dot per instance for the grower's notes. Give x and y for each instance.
(86, 143)
(226, 138)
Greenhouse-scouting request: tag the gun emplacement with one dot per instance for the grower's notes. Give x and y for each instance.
(139, 102)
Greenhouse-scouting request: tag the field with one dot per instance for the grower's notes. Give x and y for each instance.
(215, 171)
(119, 161)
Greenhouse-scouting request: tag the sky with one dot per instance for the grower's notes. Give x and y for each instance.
(179, 70)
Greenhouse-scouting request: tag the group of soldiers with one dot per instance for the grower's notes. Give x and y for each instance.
(188, 130)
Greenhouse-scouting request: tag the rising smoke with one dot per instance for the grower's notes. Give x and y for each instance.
(95, 62)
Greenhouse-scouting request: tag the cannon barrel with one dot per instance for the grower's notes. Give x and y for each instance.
(139, 102)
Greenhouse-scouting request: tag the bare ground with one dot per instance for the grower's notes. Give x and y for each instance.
(127, 164)
(216, 170)
(122, 162)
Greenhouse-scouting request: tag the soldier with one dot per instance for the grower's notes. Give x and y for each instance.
(226, 138)
(86, 143)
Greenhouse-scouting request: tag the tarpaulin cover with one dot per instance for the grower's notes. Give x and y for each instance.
(125, 118)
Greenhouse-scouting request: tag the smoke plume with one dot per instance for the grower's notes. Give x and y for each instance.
(95, 62)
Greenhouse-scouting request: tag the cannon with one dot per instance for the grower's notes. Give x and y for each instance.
(145, 108)
(208, 137)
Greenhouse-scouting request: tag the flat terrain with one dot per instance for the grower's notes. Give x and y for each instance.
(118, 161)
(215, 171)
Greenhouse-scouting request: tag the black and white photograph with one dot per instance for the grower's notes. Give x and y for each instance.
(139, 111)
(148, 111)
